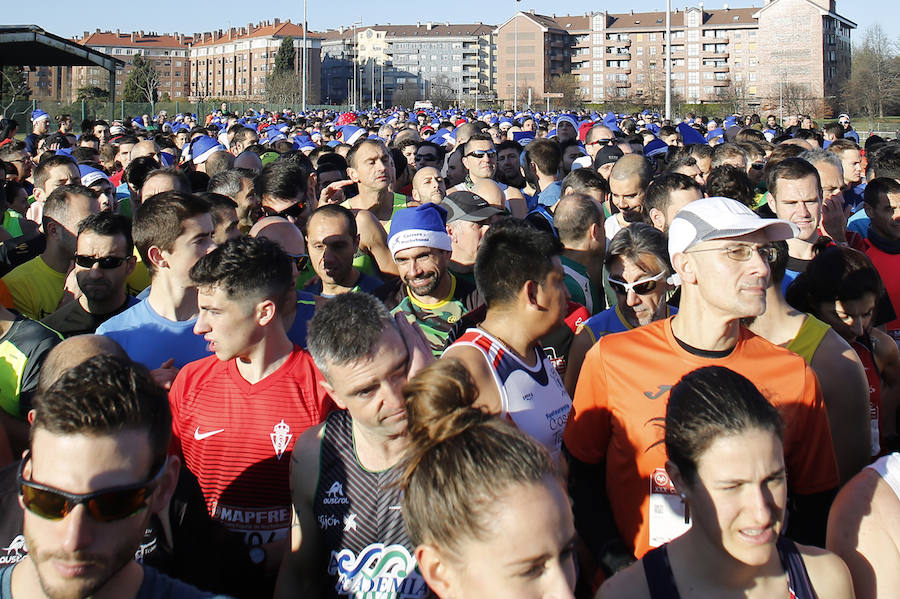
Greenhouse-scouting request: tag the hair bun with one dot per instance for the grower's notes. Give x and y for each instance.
(440, 403)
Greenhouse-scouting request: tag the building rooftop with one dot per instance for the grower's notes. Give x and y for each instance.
(136, 39)
(275, 28)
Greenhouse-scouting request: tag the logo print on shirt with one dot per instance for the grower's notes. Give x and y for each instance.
(16, 551)
(350, 522)
(280, 436)
(335, 494)
(662, 390)
(200, 436)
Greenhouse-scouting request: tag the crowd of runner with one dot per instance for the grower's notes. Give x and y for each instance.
(400, 354)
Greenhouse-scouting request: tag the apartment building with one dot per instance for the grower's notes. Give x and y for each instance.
(422, 60)
(233, 64)
(749, 53)
(531, 50)
(168, 53)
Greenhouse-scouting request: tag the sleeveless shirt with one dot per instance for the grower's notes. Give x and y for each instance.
(533, 398)
(808, 338)
(888, 468)
(361, 523)
(661, 580)
(864, 349)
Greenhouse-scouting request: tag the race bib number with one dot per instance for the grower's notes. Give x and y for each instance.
(669, 517)
(258, 526)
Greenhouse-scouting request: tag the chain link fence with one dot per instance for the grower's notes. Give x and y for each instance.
(101, 109)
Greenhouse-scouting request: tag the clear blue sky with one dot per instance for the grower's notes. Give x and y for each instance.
(167, 16)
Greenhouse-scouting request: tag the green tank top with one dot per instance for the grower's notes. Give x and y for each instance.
(808, 338)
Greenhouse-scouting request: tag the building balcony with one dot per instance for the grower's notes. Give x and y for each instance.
(622, 84)
(721, 83)
(715, 54)
(620, 43)
(708, 39)
(721, 68)
(622, 53)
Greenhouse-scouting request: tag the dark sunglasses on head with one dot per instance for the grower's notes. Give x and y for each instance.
(481, 153)
(107, 505)
(106, 262)
(292, 211)
(301, 260)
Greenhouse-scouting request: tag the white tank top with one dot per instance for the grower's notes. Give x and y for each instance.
(533, 398)
(888, 468)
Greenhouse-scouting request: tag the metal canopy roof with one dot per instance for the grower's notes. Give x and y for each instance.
(29, 45)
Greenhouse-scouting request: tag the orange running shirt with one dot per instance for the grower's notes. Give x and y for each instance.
(619, 411)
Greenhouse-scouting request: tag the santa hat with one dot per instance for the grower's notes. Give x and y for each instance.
(422, 226)
(203, 147)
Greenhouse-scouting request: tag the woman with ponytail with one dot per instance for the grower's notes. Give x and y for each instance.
(483, 502)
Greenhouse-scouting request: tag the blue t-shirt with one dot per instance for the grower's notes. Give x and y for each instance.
(550, 195)
(859, 222)
(154, 586)
(306, 307)
(150, 339)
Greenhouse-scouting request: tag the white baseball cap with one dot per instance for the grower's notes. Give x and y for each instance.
(721, 218)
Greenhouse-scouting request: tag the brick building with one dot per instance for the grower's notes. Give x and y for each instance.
(167, 53)
(752, 54)
(233, 64)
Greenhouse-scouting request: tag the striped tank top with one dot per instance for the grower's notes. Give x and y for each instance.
(360, 521)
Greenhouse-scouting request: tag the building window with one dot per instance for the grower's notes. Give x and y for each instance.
(640, 50)
(652, 37)
(693, 35)
(693, 19)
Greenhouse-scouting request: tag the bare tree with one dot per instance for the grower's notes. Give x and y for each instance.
(875, 74)
(568, 86)
(13, 86)
(283, 89)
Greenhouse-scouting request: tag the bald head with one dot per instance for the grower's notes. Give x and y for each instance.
(248, 160)
(465, 131)
(72, 352)
(428, 186)
(147, 147)
(282, 232)
(491, 192)
(218, 162)
(632, 165)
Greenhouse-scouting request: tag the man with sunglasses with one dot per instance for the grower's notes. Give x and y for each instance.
(429, 154)
(38, 286)
(96, 473)
(720, 250)
(597, 138)
(286, 188)
(480, 161)
(103, 260)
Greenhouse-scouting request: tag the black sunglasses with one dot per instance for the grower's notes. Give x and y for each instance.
(108, 505)
(292, 211)
(301, 260)
(481, 153)
(106, 262)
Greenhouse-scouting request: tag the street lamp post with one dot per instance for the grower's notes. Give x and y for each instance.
(516, 58)
(304, 56)
(668, 59)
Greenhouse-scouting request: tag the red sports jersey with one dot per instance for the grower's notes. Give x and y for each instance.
(237, 438)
